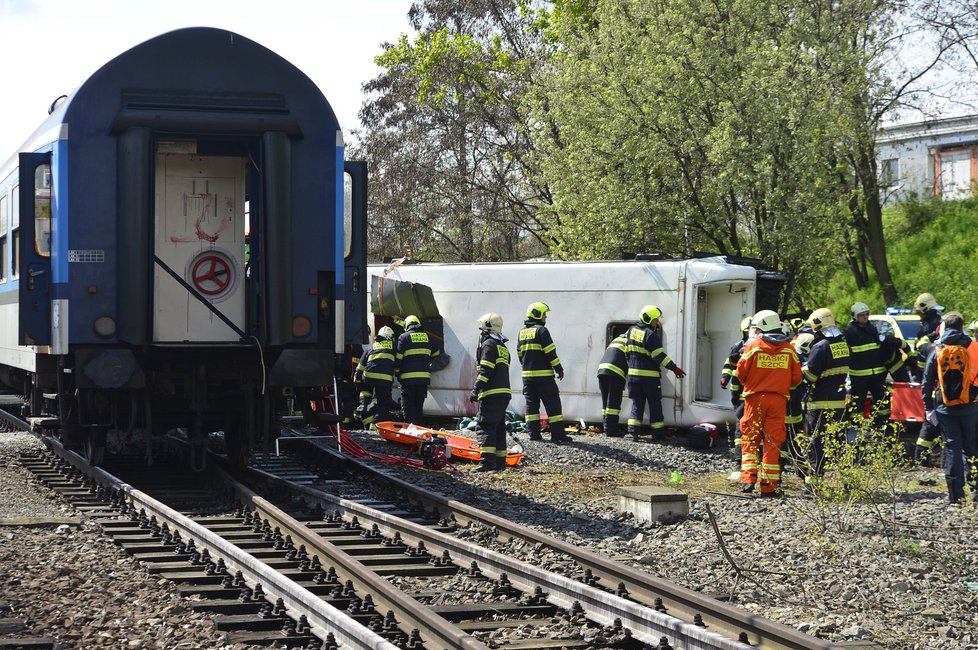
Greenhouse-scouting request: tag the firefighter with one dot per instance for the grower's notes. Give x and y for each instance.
(612, 370)
(794, 418)
(646, 357)
(929, 437)
(492, 390)
(867, 374)
(375, 376)
(929, 311)
(412, 363)
(769, 370)
(728, 379)
(825, 371)
(538, 356)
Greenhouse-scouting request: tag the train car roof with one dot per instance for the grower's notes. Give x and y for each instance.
(214, 64)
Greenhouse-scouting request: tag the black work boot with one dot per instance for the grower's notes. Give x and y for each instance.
(488, 463)
(611, 427)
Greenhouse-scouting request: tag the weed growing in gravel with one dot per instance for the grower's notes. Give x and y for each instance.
(863, 468)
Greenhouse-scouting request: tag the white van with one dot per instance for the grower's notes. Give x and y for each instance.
(702, 300)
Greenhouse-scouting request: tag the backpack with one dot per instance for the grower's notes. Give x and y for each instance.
(954, 374)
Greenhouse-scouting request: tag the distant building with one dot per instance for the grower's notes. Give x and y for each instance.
(932, 158)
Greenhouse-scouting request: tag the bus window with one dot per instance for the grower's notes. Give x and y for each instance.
(42, 210)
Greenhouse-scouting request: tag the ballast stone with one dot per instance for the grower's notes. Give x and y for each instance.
(650, 503)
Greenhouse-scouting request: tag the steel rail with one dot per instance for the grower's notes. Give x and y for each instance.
(645, 623)
(680, 601)
(323, 618)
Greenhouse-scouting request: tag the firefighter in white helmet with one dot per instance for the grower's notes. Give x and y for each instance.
(929, 311)
(769, 370)
(375, 377)
(867, 372)
(492, 391)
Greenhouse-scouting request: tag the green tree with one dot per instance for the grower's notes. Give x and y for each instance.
(447, 135)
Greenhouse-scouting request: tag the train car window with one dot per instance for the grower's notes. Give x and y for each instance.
(347, 215)
(613, 330)
(15, 232)
(3, 239)
(42, 210)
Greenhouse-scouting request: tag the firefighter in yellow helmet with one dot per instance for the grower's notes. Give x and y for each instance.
(769, 370)
(415, 350)
(646, 358)
(538, 356)
(492, 390)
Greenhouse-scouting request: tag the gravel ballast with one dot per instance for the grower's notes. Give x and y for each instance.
(828, 571)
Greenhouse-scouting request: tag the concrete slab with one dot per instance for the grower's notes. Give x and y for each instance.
(651, 503)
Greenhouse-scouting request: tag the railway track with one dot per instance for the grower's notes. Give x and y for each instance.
(393, 568)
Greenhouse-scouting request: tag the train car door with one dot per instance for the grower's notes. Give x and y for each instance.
(200, 236)
(35, 249)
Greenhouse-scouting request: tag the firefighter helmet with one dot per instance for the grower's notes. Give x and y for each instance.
(973, 326)
(859, 308)
(821, 319)
(767, 321)
(537, 311)
(411, 322)
(650, 313)
(803, 343)
(925, 302)
(745, 325)
(491, 322)
(385, 333)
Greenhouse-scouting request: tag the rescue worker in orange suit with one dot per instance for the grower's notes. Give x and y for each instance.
(538, 356)
(612, 370)
(825, 371)
(769, 370)
(375, 376)
(728, 379)
(867, 374)
(412, 362)
(492, 390)
(646, 357)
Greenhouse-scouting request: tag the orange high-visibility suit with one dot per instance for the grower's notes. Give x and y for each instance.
(769, 369)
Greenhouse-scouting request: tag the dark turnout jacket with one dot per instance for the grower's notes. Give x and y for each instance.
(537, 352)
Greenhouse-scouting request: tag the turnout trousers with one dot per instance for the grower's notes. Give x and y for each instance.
(546, 391)
(763, 422)
(872, 386)
(492, 427)
(817, 425)
(642, 392)
(612, 389)
(383, 407)
(412, 399)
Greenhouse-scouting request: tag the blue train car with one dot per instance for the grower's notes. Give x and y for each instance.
(161, 239)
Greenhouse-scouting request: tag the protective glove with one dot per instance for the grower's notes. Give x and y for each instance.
(678, 372)
(474, 395)
(931, 417)
(560, 374)
(724, 381)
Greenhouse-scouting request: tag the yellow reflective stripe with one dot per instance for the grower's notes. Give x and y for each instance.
(487, 364)
(634, 423)
(726, 371)
(555, 362)
(523, 347)
(495, 391)
(556, 418)
(538, 373)
(827, 404)
(379, 375)
(380, 355)
(365, 393)
(809, 375)
(866, 347)
(415, 351)
(607, 411)
(532, 417)
(657, 425)
(416, 375)
(550, 348)
(399, 356)
(612, 367)
(868, 372)
(639, 372)
(487, 450)
(835, 372)
(482, 378)
(792, 419)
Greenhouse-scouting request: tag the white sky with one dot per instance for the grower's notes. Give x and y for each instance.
(51, 46)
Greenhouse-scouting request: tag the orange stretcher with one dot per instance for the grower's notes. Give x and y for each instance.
(907, 404)
(461, 447)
